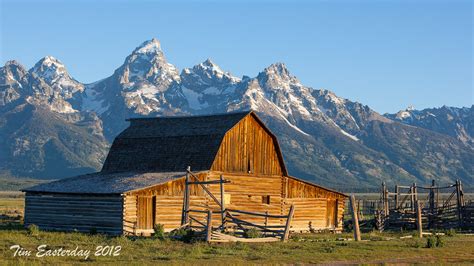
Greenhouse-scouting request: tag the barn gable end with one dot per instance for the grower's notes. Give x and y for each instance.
(249, 147)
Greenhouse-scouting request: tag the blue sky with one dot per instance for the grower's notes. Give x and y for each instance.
(386, 54)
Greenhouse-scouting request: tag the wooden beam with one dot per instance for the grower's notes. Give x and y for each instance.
(432, 203)
(288, 223)
(210, 182)
(396, 197)
(238, 221)
(209, 226)
(458, 201)
(222, 201)
(204, 188)
(185, 218)
(258, 214)
(266, 221)
(414, 196)
(355, 219)
(419, 225)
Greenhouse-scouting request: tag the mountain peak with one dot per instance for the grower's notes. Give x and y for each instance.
(152, 46)
(277, 71)
(278, 68)
(208, 62)
(49, 68)
(13, 63)
(211, 66)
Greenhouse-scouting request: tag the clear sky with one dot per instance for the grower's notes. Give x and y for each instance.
(386, 54)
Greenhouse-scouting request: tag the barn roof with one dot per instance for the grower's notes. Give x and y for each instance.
(100, 183)
(169, 144)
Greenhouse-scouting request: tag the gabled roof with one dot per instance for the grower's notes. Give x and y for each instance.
(170, 144)
(100, 183)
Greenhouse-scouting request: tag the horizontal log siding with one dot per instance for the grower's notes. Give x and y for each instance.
(248, 144)
(129, 214)
(246, 192)
(169, 202)
(311, 204)
(69, 212)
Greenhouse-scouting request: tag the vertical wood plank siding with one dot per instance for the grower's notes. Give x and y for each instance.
(70, 212)
(248, 144)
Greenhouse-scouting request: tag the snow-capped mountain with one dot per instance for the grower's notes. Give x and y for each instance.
(41, 134)
(54, 73)
(452, 121)
(325, 138)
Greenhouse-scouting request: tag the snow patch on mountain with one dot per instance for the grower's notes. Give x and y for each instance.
(194, 99)
(294, 127)
(349, 135)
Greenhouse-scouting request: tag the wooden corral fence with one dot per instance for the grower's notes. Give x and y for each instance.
(231, 221)
(397, 209)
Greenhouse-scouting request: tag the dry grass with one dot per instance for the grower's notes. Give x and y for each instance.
(305, 249)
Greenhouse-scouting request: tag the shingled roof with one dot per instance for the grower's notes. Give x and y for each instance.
(169, 144)
(100, 183)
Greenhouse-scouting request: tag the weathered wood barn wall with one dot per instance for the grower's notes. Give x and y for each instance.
(143, 174)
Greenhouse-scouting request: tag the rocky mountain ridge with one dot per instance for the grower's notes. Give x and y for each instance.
(325, 138)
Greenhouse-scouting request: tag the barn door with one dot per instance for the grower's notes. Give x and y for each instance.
(331, 213)
(146, 212)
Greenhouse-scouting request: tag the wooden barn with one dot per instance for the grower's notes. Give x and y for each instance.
(144, 180)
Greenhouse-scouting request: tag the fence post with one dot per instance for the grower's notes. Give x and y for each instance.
(396, 197)
(432, 203)
(385, 199)
(458, 201)
(222, 201)
(185, 217)
(266, 222)
(418, 219)
(414, 196)
(355, 219)
(288, 223)
(209, 226)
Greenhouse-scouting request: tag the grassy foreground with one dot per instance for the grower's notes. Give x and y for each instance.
(322, 248)
(302, 249)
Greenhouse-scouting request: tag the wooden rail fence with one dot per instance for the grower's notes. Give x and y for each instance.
(397, 209)
(231, 221)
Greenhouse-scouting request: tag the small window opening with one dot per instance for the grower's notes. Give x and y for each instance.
(266, 199)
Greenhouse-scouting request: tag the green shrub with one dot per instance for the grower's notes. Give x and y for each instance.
(33, 230)
(430, 242)
(450, 232)
(434, 241)
(439, 241)
(159, 231)
(182, 234)
(252, 233)
(416, 243)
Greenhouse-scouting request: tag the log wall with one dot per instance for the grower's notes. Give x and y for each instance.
(69, 212)
(169, 203)
(248, 192)
(316, 208)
